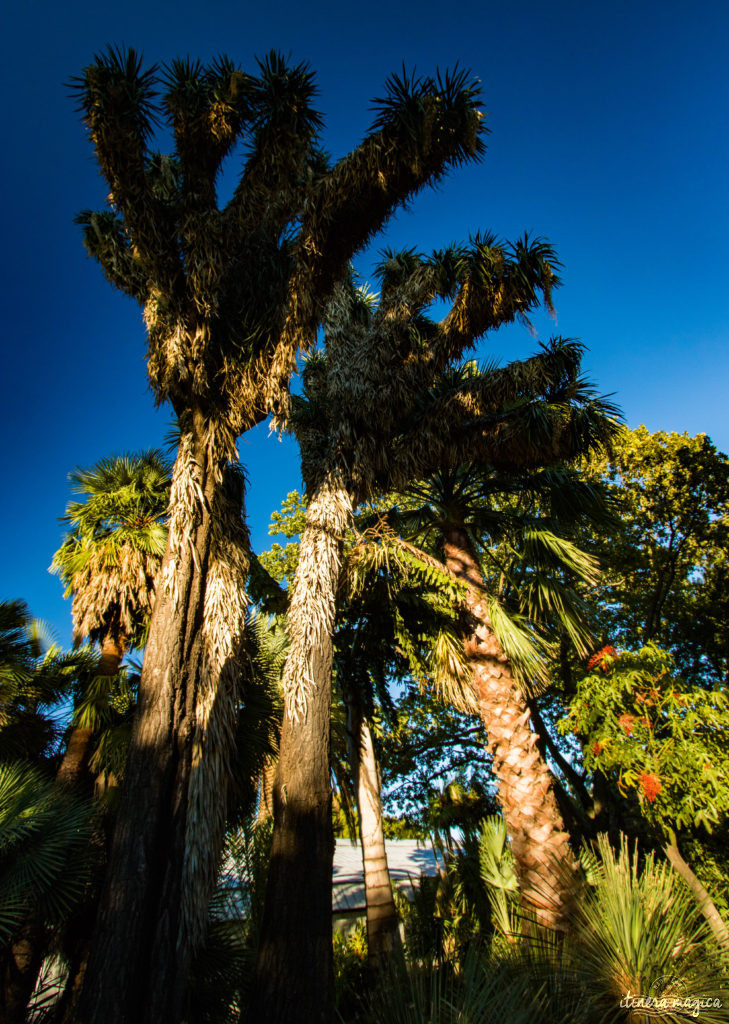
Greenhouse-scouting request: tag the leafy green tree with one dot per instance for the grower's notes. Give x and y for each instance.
(35, 679)
(661, 743)
(665, 553)
(230, 294)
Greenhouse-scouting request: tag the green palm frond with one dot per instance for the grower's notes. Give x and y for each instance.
(522, 645)
(496, 865)
(117, 537)
(44, 835)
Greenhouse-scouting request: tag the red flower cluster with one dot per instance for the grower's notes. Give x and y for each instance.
(626, 724)
(597, 748)
(651, 786)
(597, 659)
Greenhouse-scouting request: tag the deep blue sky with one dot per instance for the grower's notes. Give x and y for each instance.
(609, 136)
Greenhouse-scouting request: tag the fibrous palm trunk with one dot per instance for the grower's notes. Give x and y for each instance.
(170, 823)
(382, 921)
(539, 842)
(294, 973)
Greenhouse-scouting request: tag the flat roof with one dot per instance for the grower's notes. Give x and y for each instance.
(407, 860)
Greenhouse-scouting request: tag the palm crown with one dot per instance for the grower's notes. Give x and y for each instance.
(111, 555)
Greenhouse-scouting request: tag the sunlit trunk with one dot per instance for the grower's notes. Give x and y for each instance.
(382, 920)
(293, 982)
(704, 900)
(540, 844)
(265, 790)
(170, 823)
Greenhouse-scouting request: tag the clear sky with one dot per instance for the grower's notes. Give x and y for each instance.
(609, 137)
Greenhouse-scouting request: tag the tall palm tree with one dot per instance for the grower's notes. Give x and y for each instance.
(229, 294)
(475, 516)
(369, 421)
(109, 561)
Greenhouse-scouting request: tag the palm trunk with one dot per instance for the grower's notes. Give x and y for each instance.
(705, 902)
(294, 982)
(170, 823)
(540, 844)
(382, 920)
(265, 790)
(74, 768)
(74, 771)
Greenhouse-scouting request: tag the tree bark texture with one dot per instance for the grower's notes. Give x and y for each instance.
(382, 920)
(154, 903)
(704, 900)
(294, 982)
(539, 842)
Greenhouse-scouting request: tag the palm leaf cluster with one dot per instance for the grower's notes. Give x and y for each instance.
(36, 679)
(110, 557)
(519, 525)
(44, 847)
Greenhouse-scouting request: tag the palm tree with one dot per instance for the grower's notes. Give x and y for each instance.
(475, 516)
(109, 561)
(229, 296)
(368, 422)
(44, 830)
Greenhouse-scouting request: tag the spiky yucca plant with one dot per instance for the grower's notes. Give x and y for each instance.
(230, 293)
(638, 935)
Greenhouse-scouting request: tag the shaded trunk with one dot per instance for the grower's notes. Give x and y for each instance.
(704, 900)
(74, 771)
(382, 920)
(26, 953)
(294, 982)
(540, 844)
(153, 907)
(21, 963)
